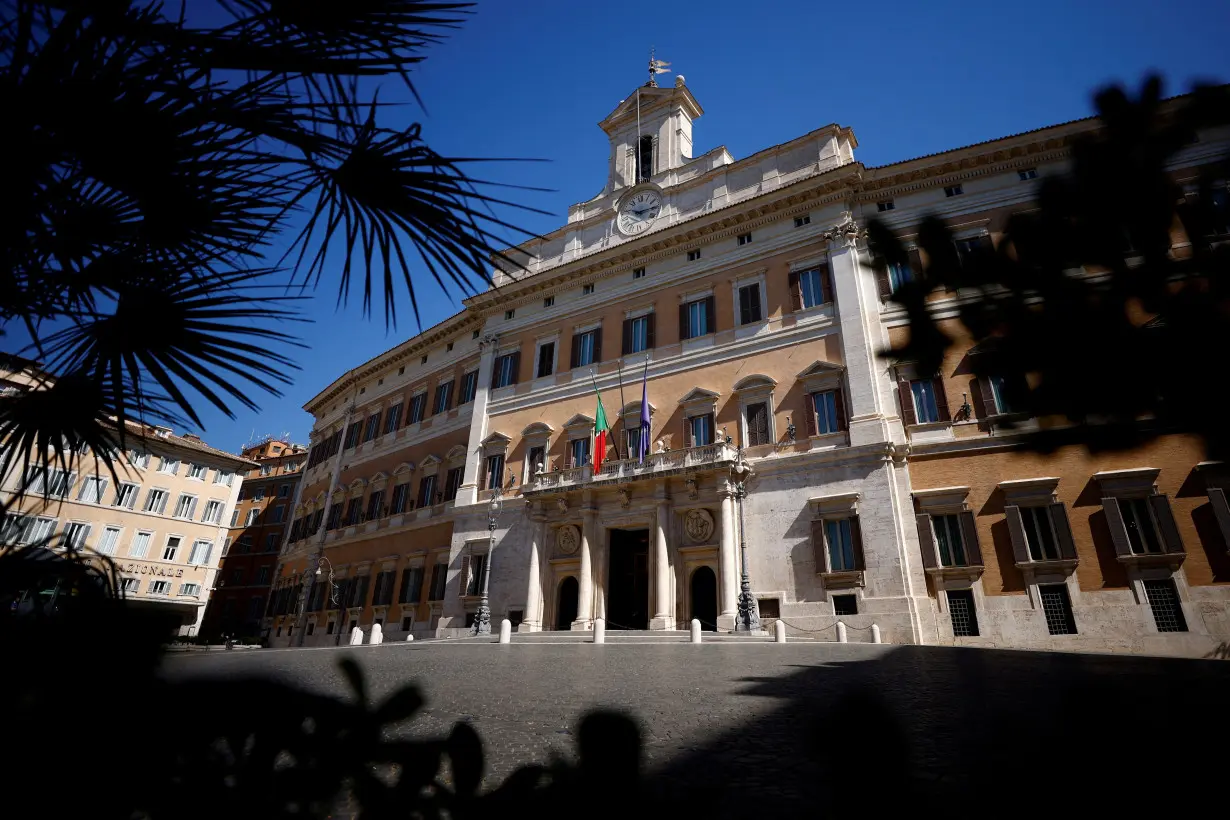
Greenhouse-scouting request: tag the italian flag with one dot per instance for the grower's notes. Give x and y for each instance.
(600, 434)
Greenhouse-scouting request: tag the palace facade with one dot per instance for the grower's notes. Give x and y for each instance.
(740, 295)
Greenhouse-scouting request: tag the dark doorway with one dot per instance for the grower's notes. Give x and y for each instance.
(704, 598)
(566, 611)
(627, 600)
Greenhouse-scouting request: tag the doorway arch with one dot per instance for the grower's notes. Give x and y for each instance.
(704, 598)
(566, 608)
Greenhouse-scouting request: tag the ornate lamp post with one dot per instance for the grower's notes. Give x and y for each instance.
(482, 619)
(748, 617)
(308, 573)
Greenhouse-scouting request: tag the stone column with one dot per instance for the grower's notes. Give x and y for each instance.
(533, 592)
(585, 596)
(663, 617)
(467, 493)
(729, 561)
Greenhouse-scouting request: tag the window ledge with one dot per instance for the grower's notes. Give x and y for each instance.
(826, 441)
(1171, 560)
(1064, 565)
(970, 573)
(843, 580)
(924, 426)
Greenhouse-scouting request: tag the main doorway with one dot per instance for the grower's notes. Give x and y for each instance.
(704, 598)
(627, 597)
(566, 609)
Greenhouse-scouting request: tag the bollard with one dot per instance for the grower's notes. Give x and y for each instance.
(779, 632)
(356, 637)
(599, 630)
(841, 632)
(875, 633)
(695, 630)
(409, 637)
(377, 635)
(505, 631)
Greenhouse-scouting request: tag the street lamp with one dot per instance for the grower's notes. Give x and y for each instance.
(482, 619)
(748, 618)
(301, 621)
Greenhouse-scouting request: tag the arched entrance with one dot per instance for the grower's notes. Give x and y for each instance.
(566, 608)
(704, 598)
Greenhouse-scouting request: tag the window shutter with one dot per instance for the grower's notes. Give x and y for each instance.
(516, 367)
(597, 345)
(464, 586)
(916, 265)
(1118, 532)
(745, 306)
(649, 331)
(926, 540)
(941, 399)
(687, 431)
(710, 315)
(883, 285)
(1166, 524)
(856, 536)
(1016, 532)
(576, 351)
(1063, 531)
(627, 338)
(448, 399)
(683, 322)
(495, 375)
(908, 416)
(757, 424)
(568, 456)
(986, 398)
(817, 546)
(1221, 508)
(839, 402)
(809, 413)
(796, 293)
(826, 283)
(969, 538)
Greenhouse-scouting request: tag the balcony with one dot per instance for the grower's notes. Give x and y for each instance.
(707, 457)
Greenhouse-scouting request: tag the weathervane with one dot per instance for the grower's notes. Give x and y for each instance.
(656, 67)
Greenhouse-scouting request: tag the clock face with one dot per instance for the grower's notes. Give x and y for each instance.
(639, 212)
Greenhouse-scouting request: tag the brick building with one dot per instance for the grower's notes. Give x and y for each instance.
(743, 294)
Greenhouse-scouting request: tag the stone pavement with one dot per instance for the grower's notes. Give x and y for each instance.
(816, 728)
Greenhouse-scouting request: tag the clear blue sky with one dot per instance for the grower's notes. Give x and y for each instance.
(533, 78)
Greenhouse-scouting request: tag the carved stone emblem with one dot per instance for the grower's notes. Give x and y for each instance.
(698, 524)
(567, 539)
(693, 491)
(625, 497)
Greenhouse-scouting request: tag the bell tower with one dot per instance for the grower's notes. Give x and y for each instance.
(650, 134)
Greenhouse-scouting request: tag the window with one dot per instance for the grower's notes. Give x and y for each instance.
(110, 541)
(578, 452)
(156, 501)
(139, 459)
(200, 552)
(444, 398)
(505, 370)
(1164, 601)
(693, 255)
(973, 246)
(633, 440)
(749, 304)
(159, 587)
(899, 274)
(814, 288)
(392, 418)
(253, 514)
(185, 507)
(886, 205)
(284, 490)
(644, 158)
(508, 314)
(1057, 607)
(224, 478)
(401, 493)
(696, 318)
(495, 471)
(190, 589)
(418, 407)
(953, 190)
(638, 273)
(126, 496)
(474, 334)
(546, 360)
(39, 529)
(586, 290)
(92, 489)
(262, 575)
(477, 564)
(845, 604)
(375, 504)
(352, 434)
(226, 545)
(139, 547)
(382, 591)
(961, 610)
(439, 576)
(585, 348)
(353, 508)
(169, 465)
(278, 515)
(427, 491)
(258, 494)
(213, 512)
(452, 483)
(535, 456)
(234, 517)
(1141, 531)
(131, 585)
(52, 482)
(469, 386)
(830, 412)
(335, 516)
(948, 540)
(926, 407)
(411, 586)
(244, 545)
(757, 417)
(839, 538)
(1039, 535)
(424, 359)
(800, 221)
(1027, 174)
(549, 301)
(744, 239)
(638, 334)
(13, 527)
(197, 471)
(401, 371)
(369, 432)
(172, 547)
(700, 430)
(75, 534)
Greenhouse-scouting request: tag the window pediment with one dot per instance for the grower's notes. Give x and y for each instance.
(1026, 490)
(1137, 481)
(457, 453)
(757, 381)
(496, 443)
(836, 505)
(404, 467)
(633, 409)
(539, 428)
(940, 500)
(698, 399)
(820, 376)
(579, 420)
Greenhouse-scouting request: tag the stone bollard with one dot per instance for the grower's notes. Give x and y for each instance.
(409, 637)
(505, 631)
(695, 630)
(599, 630)
(841, 632)
(875, 633)
(356, 637)
(779, 632)
(377, 635)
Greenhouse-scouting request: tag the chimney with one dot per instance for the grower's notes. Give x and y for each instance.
(193, 437)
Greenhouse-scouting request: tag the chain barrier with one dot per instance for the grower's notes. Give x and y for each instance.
(825, 629)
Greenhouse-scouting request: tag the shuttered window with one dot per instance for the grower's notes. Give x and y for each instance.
(757, 424)
(749, 304)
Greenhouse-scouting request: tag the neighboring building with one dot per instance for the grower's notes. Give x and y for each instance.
(744, 292)
(162, 524)
(258, 527)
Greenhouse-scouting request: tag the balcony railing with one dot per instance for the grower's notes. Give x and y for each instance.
(708, 456)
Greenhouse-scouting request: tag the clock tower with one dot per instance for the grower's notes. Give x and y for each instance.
(650, 147)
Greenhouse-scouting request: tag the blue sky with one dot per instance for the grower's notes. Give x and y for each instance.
(533, 78)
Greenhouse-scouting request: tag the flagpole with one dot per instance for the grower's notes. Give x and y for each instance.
(619, 370)
(645, 428)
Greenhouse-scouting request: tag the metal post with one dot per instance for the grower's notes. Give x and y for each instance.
(748, 618)
(482, 619)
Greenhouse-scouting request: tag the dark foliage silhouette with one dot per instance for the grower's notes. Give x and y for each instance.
(156, 160)
(1112, 359)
